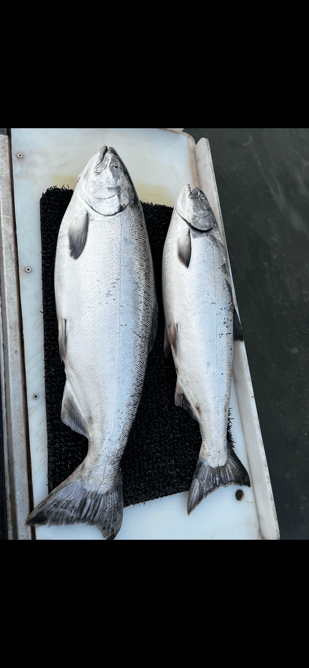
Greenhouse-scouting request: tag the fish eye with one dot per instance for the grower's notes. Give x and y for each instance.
(202, 196)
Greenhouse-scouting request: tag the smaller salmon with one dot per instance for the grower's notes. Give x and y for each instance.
(201, 324)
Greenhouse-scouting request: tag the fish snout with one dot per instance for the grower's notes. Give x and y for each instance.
(102, 153)
(193, 193)
(99, 164)
(197, 193)
(111, 158)
(112, 151)
(107, 158)
(110, 170)
(106, 186)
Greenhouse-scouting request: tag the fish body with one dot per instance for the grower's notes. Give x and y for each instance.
(107, 318)
(201, 324)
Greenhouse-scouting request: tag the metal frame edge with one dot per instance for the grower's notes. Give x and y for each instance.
(18, 482)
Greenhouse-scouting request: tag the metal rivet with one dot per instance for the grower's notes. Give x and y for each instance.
(35, 395)
(20, 155)
(28, 269)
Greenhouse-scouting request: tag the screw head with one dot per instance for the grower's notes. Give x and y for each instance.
(28, 269)
(35, 395)
(20, 155)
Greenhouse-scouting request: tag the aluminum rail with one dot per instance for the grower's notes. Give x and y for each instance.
(13, 390)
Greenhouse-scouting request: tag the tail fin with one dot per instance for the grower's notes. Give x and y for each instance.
(207, 478)
(71, 503)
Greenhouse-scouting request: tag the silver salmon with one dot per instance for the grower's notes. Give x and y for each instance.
(201, 324)
(107, 321)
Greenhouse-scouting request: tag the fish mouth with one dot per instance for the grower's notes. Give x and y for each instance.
(110, 196)
(198, 229)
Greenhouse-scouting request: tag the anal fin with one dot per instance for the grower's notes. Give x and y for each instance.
(71, 414)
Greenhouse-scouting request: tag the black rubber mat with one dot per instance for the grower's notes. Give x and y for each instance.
(164, 442)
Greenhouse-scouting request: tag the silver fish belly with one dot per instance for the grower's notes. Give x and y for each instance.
(107, 317)
(201, 324)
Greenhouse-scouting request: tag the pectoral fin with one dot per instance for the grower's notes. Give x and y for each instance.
(184, 248)
(78, 230)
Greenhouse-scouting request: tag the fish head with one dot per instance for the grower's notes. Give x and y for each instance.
(194, 208)
(105, 183)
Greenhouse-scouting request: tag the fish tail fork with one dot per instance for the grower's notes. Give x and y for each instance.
(71, 503)
(208, 478)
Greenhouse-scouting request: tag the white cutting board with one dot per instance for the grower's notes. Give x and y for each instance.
(160, 162)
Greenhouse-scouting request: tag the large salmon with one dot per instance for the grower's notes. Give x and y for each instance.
(107, 319)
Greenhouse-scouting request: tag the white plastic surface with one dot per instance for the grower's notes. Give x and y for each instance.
(160, 162)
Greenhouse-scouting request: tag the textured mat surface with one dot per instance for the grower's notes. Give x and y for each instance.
(164, 441)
